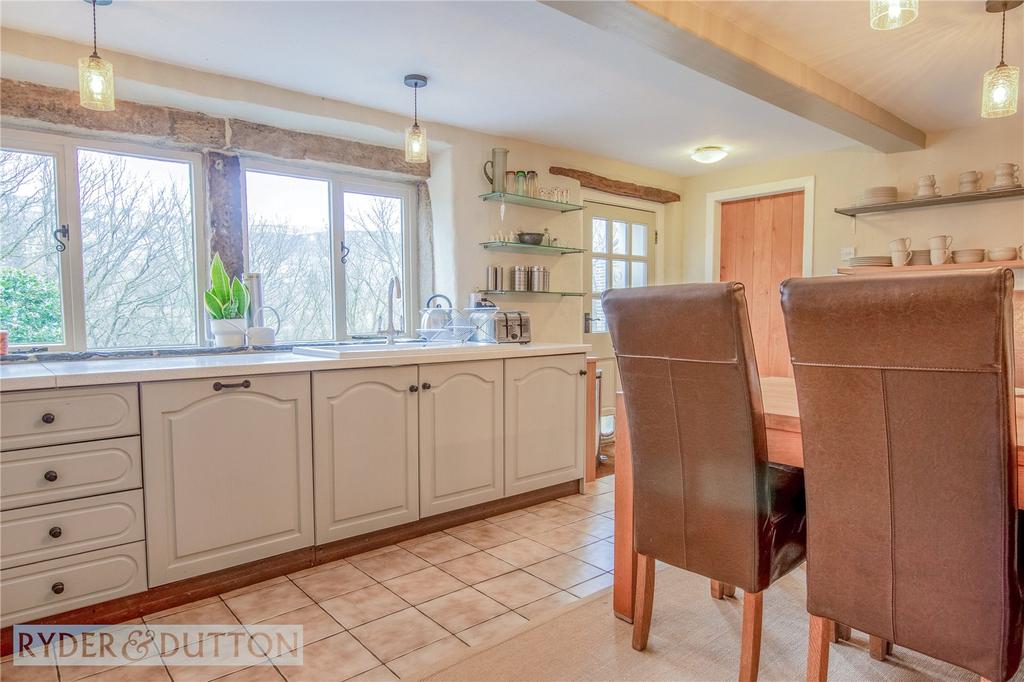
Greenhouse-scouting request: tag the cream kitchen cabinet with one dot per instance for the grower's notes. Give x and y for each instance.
(365, 450)
(544, 421)
(461, 435)
(227, 472)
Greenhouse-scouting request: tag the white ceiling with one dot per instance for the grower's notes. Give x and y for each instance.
(927, 73)
(519, 69)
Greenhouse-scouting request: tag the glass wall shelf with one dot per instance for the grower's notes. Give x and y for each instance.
(518, 247)
(532, 202)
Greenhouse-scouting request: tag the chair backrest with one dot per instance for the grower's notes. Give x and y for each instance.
(907, 412)
(696, 422)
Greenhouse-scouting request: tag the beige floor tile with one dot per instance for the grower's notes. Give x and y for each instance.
(391, 564)
(463, 609)
(541, 607)
(131, 673)
(564, 571)
(563, 513)
(336, 658)
(598, 526)
(600, 554)
(215, 613)
(253, 607)
(254, 587)
(606, 483)
(608, 515)
(406, 544)
(372, 552)
(442, 549)
(529, 523)
(420, 586)
(565, 539)
(504, 517)
(475, 568)
(151, 617)
(398, 634)
(411, 663)
(516, 589)
(10, 672)
(378, 674)
(316, 625)
(256, 673)
(362, 606)
(522, 552)
(485, 537)
(316, 569)
(203, 673)
(549, 504)
(591, 488)
(597, 504)
(593, 585)
(334, 581)
(471, 524)
(498, 628)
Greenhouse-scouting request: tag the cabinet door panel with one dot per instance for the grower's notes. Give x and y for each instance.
(227, 474)
(365, 450)
(461, 427)
(544, 421)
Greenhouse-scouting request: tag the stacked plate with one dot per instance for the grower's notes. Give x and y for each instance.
(920, 257)
(869, 261)
(883, 194)
(969, 255)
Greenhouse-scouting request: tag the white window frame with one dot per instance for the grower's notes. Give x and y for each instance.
(65, 150)
(338, 185)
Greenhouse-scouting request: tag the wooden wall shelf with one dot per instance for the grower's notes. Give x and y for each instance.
(916, 269)
(940, 201)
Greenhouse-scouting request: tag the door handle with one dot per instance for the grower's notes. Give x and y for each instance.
(344, 253)
(218, 386)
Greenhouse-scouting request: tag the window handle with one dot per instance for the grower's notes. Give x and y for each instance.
(344, 253)
(61, 232)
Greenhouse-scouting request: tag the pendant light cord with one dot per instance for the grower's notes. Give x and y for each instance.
(95, 53)
(1002, 42)
(415, 112)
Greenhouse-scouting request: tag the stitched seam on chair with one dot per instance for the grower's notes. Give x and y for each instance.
(1001, 349)
(892, 514)
(734, 361)
(682, 456)
(976, 370)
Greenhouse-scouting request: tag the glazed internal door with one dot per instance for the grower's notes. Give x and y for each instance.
(762, 245)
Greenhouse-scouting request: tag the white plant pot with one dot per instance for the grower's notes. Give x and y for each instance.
(228, 333)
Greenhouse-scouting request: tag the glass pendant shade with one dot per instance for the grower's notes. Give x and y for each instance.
(415, 144)
(999, 90)
(96, 83)
(887, 15)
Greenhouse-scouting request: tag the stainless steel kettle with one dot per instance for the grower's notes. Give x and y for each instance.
(436, 317)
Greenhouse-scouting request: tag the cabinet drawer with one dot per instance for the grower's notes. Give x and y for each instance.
(68, 415)
(77, 470)
(37, 590)
(60, 529)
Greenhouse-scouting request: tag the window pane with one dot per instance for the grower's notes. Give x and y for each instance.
(639, 240)
(373, 232)
(290, 246)
(597, 321)
(30, 292)
(618, 274)
(138, 251)
(600, 275)
(618, 237)
(600, 229)
(638, 274)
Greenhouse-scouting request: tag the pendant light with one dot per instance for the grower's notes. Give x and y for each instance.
(415, 136)
(886, 15)
(96, 75)
(999, 86)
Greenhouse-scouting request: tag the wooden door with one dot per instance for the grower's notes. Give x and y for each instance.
(228, 472)
(365, 450)
(461, 435)
(544, 420)
(761, 245)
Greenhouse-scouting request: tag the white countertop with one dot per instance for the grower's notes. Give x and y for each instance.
(30, 375)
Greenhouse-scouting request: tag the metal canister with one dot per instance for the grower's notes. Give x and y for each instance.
(537, 278)
(521, 278)
(495, 276)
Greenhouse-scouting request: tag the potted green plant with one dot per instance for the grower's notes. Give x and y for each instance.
(227, 302)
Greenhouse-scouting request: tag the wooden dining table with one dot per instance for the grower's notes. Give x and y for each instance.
(782, 422)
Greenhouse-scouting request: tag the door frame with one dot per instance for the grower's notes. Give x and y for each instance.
(713, 219)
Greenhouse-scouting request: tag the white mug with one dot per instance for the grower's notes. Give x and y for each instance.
(900, 258)
(942, 241)
(1007, 169)
(938, 256)
(926, 180)
(970, 177)
(901, 244)
(928, 191)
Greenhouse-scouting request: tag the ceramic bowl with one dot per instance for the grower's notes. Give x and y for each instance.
(969, 255)
(1003, 253)
(534, 238)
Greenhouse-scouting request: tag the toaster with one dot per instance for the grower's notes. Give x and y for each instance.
(501, 326)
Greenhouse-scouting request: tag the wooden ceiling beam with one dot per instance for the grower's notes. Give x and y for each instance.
(616, 187)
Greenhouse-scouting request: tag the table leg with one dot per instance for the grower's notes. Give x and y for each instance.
(590, 466)
(624, 592)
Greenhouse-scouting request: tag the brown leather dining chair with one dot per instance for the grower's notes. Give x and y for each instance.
(906, 400)
(706, 499)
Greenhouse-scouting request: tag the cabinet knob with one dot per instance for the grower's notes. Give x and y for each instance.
(414, 388)
(50, 476)
(57, 588)
(426, 385)
(49, 418)
(583, 372)
(56, 532)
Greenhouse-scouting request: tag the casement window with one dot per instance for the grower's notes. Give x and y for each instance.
(326, 246)
(100, 244)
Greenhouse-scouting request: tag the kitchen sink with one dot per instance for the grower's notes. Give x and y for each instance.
(340, 350)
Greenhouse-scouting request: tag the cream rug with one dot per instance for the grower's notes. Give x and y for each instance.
(693, 637)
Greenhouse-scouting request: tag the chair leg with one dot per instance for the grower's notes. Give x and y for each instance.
(817, 649)
(750, 639)
(880, 648)
(644, 600)
(839, 632)
(720, 590)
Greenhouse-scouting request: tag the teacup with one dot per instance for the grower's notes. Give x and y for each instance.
(926, 180)
(970, 177)
(900, 258)
(1007, 169)
(942, 241)
(901, 244)
(939, 256)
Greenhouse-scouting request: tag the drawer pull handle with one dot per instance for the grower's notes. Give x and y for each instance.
(56, 532)
(426, 385)
(57, 588)
(218, 386)
(414, 388)
(50, 476)
(49, 418)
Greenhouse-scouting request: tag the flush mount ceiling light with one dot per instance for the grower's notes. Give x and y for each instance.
(96, 75)
(999, 86)
(415, 136)
(710, 154)
(886, 15)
